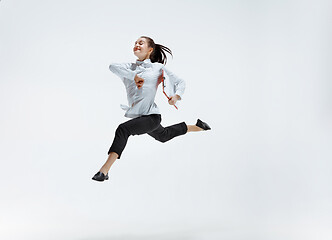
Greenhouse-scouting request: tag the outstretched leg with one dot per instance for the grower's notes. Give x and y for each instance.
(136, 126)
(164, 134)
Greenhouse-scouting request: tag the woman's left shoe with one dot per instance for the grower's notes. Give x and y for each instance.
(202, 125)
(99, 176)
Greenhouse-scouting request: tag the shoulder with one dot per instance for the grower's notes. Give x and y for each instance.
(158, 66)
(127, 65)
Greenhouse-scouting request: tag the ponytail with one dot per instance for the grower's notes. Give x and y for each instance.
(158, 54)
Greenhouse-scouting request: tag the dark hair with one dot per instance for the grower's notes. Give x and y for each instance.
(158, 54)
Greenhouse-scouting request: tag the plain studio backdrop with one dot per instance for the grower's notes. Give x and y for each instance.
(259, 72)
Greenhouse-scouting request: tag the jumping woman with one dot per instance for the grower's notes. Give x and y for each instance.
(141, 80)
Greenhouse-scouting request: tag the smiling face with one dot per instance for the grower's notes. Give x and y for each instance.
(142, 50)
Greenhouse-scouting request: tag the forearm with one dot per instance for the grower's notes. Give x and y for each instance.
(179, 84)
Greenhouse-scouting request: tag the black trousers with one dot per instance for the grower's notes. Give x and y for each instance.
(149, 124)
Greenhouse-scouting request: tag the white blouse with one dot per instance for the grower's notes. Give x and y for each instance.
(141, 101)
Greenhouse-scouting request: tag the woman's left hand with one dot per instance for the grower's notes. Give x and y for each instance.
(172, 100)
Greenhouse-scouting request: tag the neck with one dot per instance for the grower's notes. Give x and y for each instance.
(142, 59)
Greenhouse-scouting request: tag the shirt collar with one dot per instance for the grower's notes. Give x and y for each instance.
(145, 63)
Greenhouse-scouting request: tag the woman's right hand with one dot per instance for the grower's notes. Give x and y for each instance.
(139, 81)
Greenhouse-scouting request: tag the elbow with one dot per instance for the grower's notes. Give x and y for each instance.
(111, 67)
(114, 65)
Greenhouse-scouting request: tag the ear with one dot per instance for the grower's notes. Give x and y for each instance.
(150, 50)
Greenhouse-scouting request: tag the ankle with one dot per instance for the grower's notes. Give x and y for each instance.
(103, 171)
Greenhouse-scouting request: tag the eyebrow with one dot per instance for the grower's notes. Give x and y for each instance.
(140, 41)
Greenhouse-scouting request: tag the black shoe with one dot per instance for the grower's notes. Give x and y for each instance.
(202, 125)
(99, 176)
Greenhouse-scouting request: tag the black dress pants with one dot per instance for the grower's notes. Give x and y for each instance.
(149, 124)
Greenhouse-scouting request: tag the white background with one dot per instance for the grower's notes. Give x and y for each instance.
(259, 72)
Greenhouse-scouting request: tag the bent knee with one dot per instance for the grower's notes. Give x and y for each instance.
(161, 139)
(121, 128)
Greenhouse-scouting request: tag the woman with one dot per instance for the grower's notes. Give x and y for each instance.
(141, 80)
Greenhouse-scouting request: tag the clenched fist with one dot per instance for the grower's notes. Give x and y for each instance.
(139, 81)
(172, 100)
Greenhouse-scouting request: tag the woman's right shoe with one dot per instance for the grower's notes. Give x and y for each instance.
(202, 125)
(99, 176)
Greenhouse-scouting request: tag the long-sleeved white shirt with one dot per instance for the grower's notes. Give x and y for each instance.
(141, 101)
